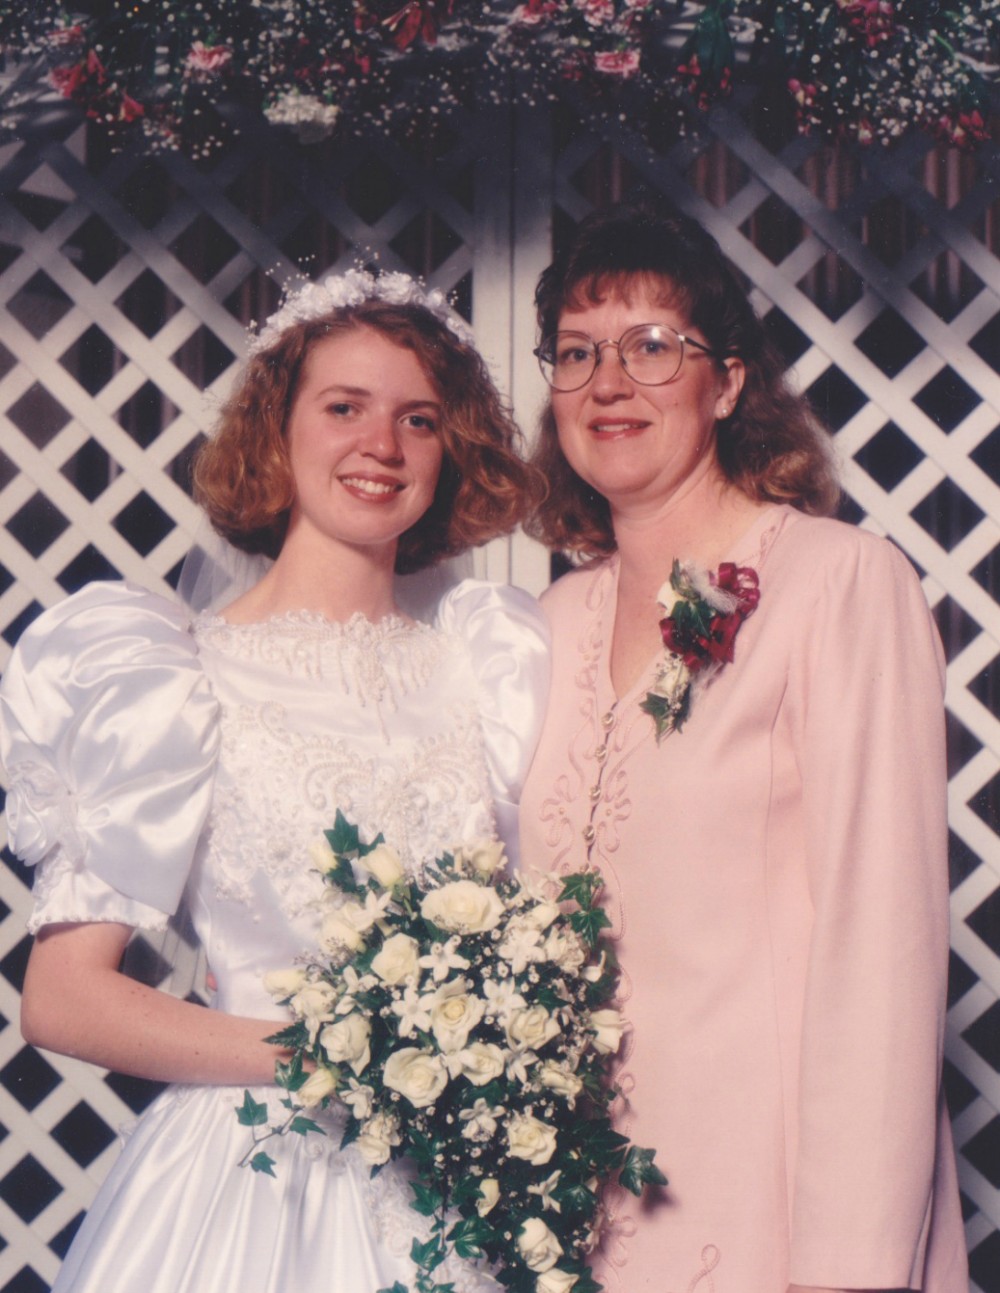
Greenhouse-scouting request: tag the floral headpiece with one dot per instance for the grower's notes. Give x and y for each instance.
(313, 300)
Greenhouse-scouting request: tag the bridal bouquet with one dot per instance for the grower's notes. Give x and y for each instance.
(463, 1019)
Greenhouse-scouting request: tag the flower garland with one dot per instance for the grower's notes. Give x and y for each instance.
(463, 1019)
(312, 300)
(180, 71)
(704, 614)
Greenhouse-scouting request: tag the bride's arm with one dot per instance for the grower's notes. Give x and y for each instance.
(76, 1002)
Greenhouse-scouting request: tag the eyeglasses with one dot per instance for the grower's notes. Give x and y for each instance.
(651, 354)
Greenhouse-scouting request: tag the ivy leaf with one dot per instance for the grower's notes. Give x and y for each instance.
(351, 1132)
(585, 1282)
(640, 1170)
(262, 1162)
(469, 1235)
(588, 924)
(396, 1288)
(344, 838)
(303, 1126)
(251, 1114)
(291, 1076)
(428, 1256)
(364, 849)
(576, 1200)
(426, 1199)
(580, 888)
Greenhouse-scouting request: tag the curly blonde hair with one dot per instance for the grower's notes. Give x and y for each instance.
(242, 475)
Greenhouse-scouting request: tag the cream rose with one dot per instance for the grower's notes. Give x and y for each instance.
(538, 1246)
(564, 949)
(539, 916)
(383, 864)
(480, 1063)
(463, 906)
(321, 1083)
(483, 858)
(284, 983)
(417, 1075)
(555, 1281)
(346, 1042)
(321, 855)
(397, 959)
(489, 1195)
(609, 1027)
(531, 1028)
(453, 1018)
(314, 1005)
(344, 927)
(530, 1138)
(558, 1078)
(377, 1138)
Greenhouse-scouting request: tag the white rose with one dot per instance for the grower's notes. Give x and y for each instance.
(539, 915)
(609, 1027)
(453, 1018)
(397, 959)
(322, 1082)
(314, 1005)
(417, 1075)
(558, 1078)
(346, 1042)
(463, 906)
(482, 858)
(555, 1281)
(377, 1138)
(340, 928)
(321, 855)
(538, 1246)
(480, 1063)
(383, 863)
(531, 1139)
(667, 597)
(531, 1028)
(564, 949)
(489, 1195)
(284, 983)
(592, 973)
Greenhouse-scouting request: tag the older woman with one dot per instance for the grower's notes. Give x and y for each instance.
(749, 745)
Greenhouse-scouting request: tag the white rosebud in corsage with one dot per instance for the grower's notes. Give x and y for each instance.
(383, 864)
(558, 1077)
(377, 1138)
(314, 1004)
(555, 1281)
(284, 983)
(345, 925)
(322, 1082)
(667, 597)
(453, 1017)
(538, 1246)
(484, 858)
(489, 1195)
(539, 916)
(346, 1042)
(480, 1063)
(529, 1029)
(397, 959)
(463, 906)
(530, 1138)
(417, 1075)
(608, 1025)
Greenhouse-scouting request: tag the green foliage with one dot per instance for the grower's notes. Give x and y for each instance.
(640, 1170)
(251, 1113)
(262, 1162)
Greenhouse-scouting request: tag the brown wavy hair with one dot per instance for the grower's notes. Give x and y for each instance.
(772, 447)
(242, 476)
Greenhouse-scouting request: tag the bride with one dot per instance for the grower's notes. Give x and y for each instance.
(150, 758)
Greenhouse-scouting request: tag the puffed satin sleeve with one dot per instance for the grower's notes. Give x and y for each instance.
(508, 641)
(109, 735)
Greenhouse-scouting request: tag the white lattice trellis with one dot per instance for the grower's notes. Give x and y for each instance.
(126, 283)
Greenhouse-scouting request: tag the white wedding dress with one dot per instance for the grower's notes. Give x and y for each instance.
(148, 761)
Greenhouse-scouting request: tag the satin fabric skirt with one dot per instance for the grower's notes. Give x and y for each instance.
(178, 1215)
